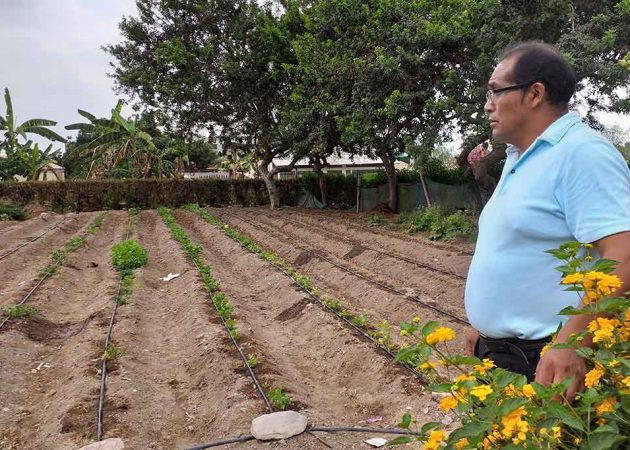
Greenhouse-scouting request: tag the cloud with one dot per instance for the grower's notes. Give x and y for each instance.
(52, 60)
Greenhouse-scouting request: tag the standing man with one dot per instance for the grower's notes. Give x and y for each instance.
(562, 181)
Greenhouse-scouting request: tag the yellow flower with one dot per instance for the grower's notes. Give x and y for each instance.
(593, 376)
(461, 444)
(626, 381)
(577, 441)
(604, 284)
(603, 329)
(435, 439)
(543, 431)
(601, 421)
(573, 278)
(416, 320)
(481, 392)
(511, 391)
(403, 332)
(514, 425)
(556, 432)
(606, 405)
(464, 377)
(427, 365)
(613, 363)
(448, 403)
(441, 334)
(484, 366)
(589, 297)
(528, 391)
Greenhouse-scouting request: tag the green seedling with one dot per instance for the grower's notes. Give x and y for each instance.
(252, 361)
(18, 311)
(279, 399)
(112, 353)
(360, 320)
(129, 255)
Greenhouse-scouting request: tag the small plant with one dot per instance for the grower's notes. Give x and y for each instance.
(344, 313)
(11, 212)
(96, 223)
(252, 361)
(18, 311)
(375, 220)
(333, 303)
(112, 353)
(74, 244)
(279, 399)
(441, 226)
(58, 256)
(360, 320)
(129, 255)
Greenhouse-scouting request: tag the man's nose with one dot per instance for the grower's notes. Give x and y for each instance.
(489, 106)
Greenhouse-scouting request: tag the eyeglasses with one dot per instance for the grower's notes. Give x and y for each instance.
(491, 93)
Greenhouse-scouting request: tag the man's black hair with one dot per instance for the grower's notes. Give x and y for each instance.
(536, 61)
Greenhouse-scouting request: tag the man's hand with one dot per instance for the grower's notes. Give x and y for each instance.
(471, 340)
(558, 364)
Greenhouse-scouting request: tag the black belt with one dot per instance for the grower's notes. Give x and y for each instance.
(509, 345)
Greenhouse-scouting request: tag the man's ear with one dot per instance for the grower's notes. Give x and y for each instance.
(536, 94)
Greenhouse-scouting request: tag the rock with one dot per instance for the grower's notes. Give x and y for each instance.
(278, 425)
(107, 444)
(447, 420)
(376, 442)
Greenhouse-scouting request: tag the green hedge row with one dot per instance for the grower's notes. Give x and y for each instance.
(94, 195)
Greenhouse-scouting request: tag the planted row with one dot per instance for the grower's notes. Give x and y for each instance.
(278, 398)
(381, 334)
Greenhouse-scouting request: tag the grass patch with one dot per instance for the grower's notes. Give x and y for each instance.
(9, 211)
(18, 311)
(279, 399)
(440, 225)
(252, 361)
(129, 255)
(375, 220)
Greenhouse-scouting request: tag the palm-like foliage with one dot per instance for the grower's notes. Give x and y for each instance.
(11, 132)
(117, 144)
(34, 160)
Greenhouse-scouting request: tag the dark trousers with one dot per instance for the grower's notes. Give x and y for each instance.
(516, 355)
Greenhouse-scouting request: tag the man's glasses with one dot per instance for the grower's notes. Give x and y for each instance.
(491, 93)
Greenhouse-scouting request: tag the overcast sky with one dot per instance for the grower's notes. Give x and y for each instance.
(51, 58)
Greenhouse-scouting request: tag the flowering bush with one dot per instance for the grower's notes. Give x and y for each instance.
(500, 409)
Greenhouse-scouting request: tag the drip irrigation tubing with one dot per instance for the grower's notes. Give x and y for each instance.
(327, 308)
(413, 298)
(249, 437)
(48, 230)
(382, 252)
(27, 296)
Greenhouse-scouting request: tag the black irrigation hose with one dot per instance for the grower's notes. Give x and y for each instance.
(382, 252)
(321, 303)
(101, 395)
(384, 286)
(48, 230)
(27, 296)
(249, 437)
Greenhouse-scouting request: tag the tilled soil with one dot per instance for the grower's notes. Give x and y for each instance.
(20, 269)
(304, 248)
(179, 381)
(49, 362)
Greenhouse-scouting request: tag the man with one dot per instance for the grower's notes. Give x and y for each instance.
(562, 181)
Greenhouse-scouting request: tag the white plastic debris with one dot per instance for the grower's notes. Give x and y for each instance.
(170, 276)
(376, 442)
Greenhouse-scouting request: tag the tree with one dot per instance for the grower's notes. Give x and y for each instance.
(118, 144)
(219, 65)
(23, 159)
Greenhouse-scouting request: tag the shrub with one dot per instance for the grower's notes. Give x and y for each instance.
(129, 255)
(18, 311)
(9, 211)
(441, 226)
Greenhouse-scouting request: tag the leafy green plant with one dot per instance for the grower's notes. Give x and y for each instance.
(360, 320)
(333, 303)
(252, 361)
(112, 352)
(279, 399)
(18, 311)
(129, 255)
(441, 226)
(9, 211)
(375, 220)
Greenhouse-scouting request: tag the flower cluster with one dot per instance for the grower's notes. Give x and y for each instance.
(500, 409)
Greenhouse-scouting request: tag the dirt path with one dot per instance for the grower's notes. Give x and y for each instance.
(331, 373)
(52, 359)
(180, 380)
(378, 303)
(20, 269)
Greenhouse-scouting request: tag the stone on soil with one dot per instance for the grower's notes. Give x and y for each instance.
(278, 425)
(107, 444)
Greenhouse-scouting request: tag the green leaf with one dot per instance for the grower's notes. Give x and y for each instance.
(442, 387)
(605, 440)
(561, 412)
(429, 327)
(429, 426)
(400, 440)
(407, 354)
(406, 421)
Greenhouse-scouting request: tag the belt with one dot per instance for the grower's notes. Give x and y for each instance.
(507, 345)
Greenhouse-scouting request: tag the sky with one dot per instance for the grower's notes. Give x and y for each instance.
(52, 62)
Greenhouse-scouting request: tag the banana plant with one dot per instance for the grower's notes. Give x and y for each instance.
(10, 132)
(34, 160)
(115, 140)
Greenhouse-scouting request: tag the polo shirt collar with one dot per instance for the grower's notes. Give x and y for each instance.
(553, 133)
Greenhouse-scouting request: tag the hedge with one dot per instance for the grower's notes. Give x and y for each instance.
(94, 195)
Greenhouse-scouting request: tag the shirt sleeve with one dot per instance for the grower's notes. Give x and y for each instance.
(596, 191)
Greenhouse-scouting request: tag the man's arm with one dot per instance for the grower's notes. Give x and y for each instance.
(557, 364)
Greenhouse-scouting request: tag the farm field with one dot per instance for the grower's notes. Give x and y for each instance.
(178, 380)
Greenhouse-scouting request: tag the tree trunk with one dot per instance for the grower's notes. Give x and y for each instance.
(272, 190)
(487, 183)
(388, 163)
(317, 168)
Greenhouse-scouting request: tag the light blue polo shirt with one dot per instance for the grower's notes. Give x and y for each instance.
(570, 184)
